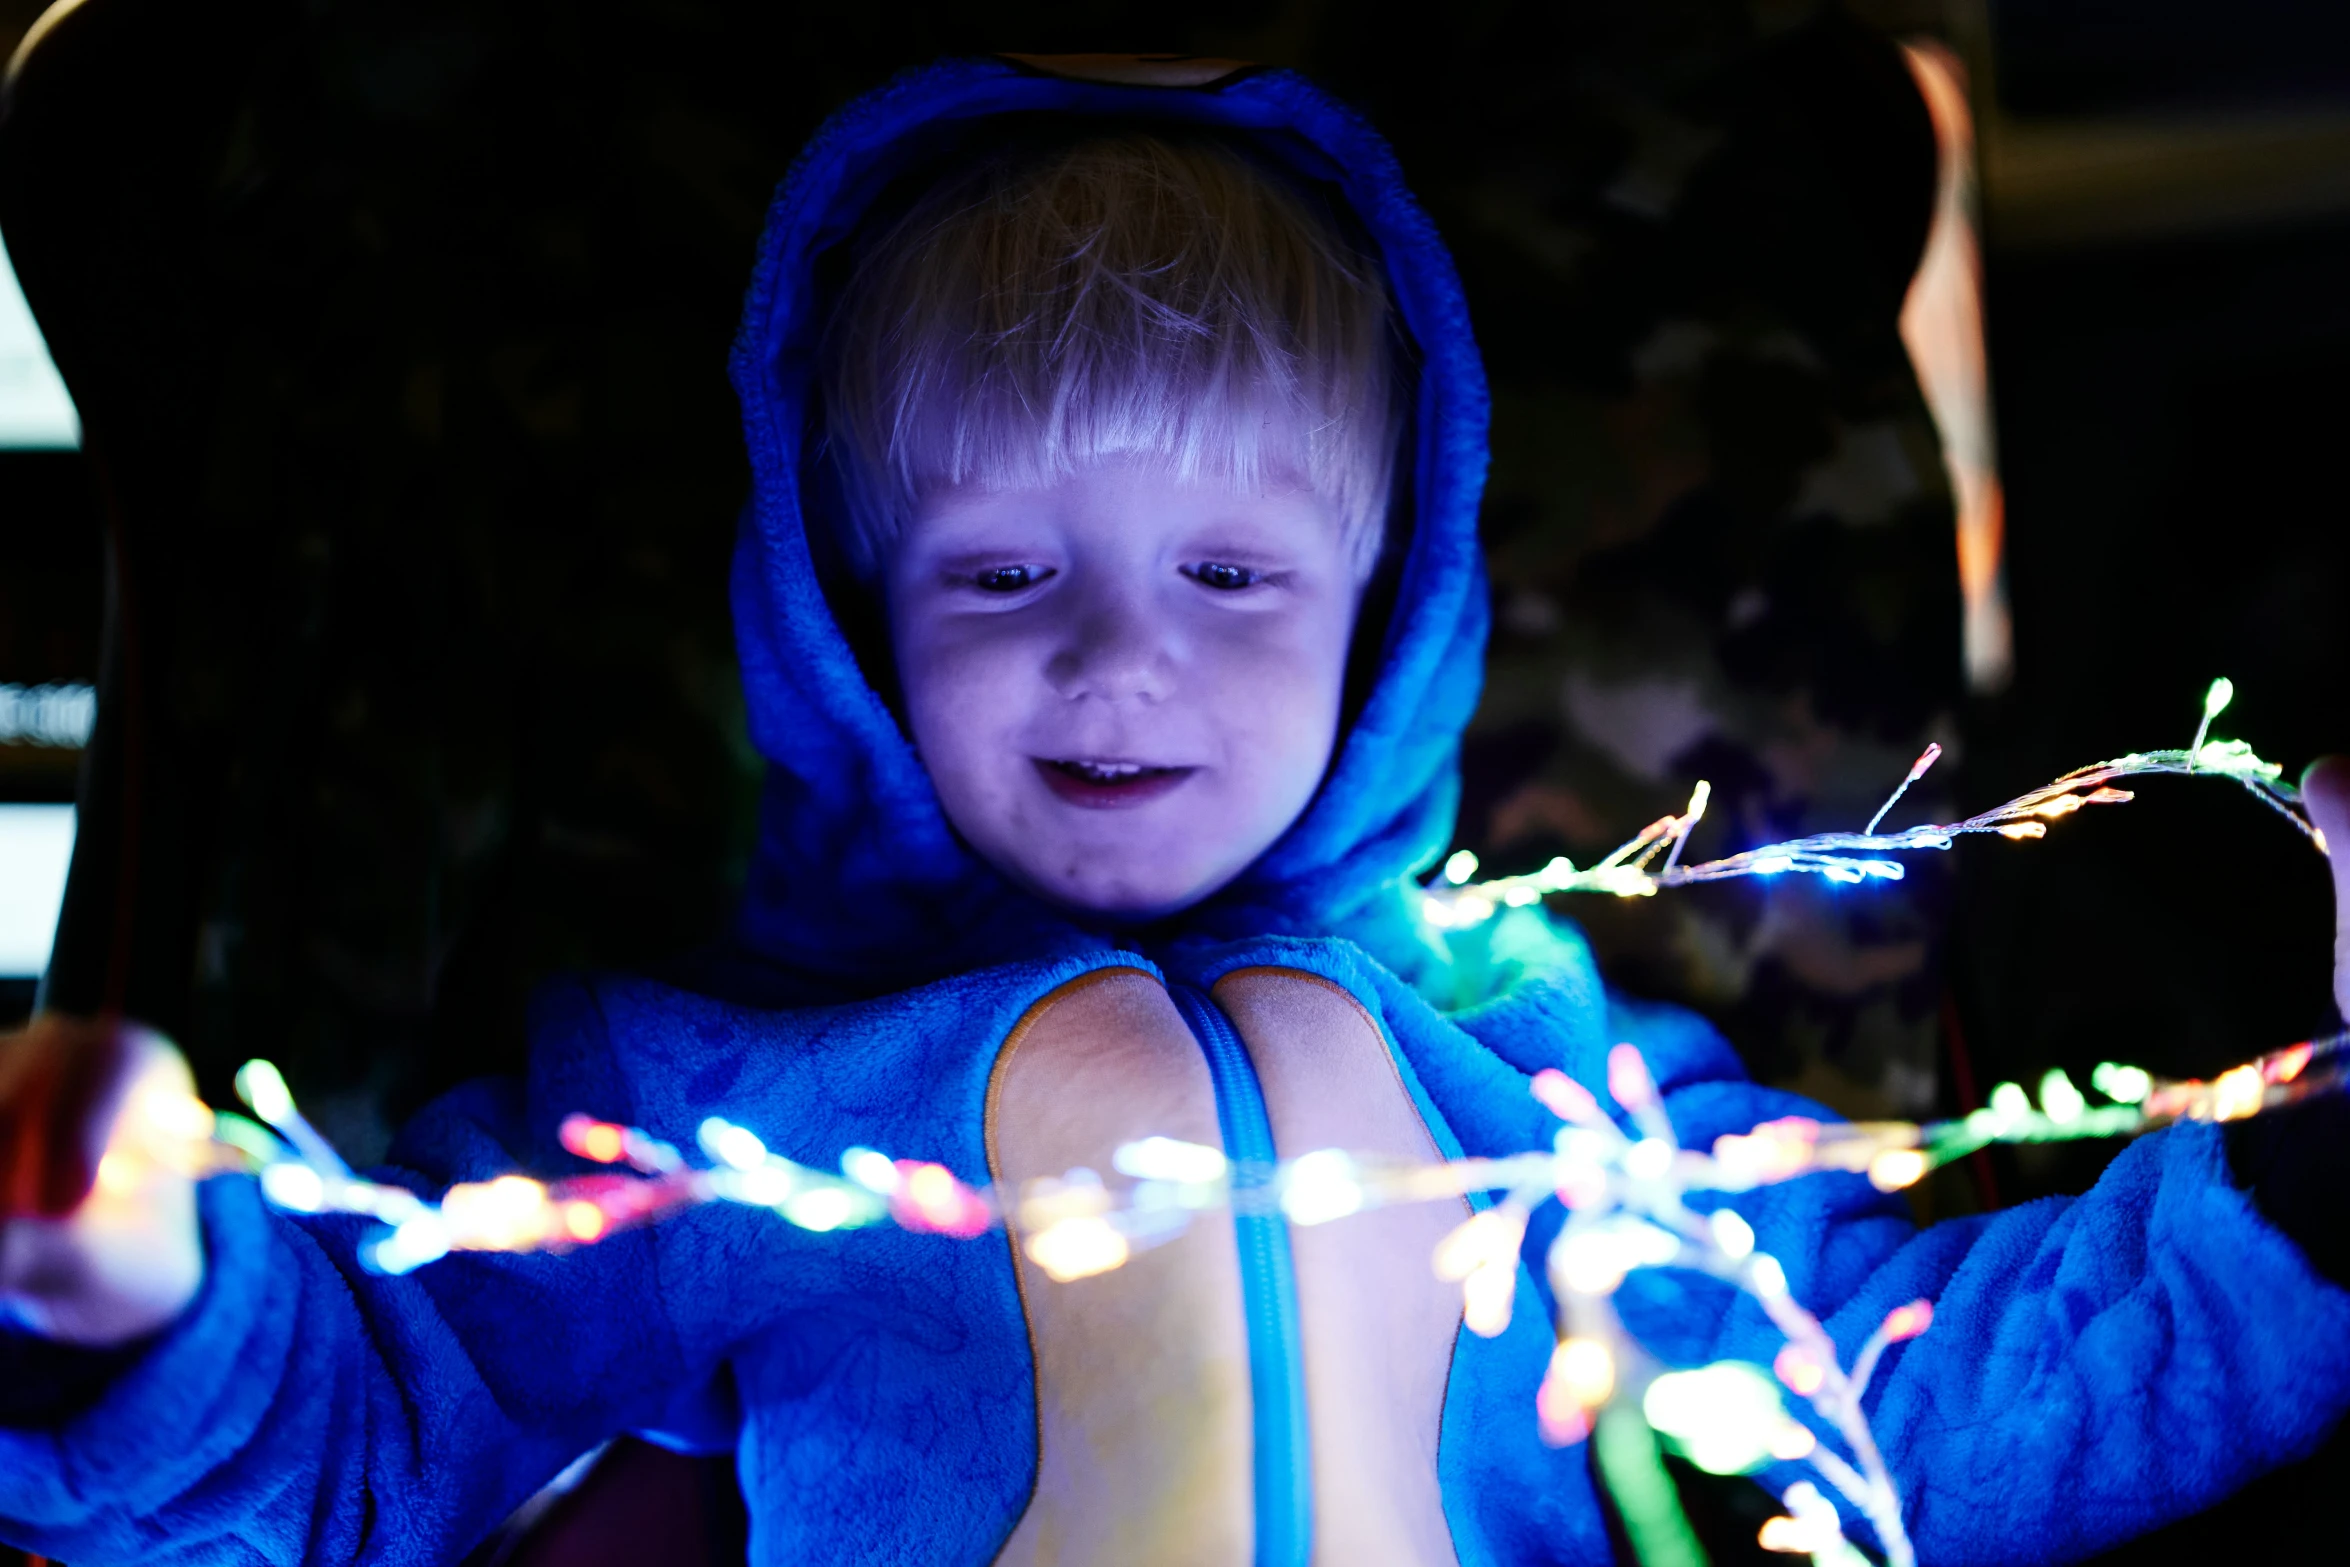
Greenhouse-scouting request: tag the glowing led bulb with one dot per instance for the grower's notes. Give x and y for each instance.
(1732, 1234)
(820, 1208)
(260, 1086)
(2124, 1085)
(1459, 867)
(876, 1172)
(1650, 1159)
(2060, 1101)
(2010, 1103)
(1077, 1248)
(1321, 1186)
(2236, 1093)
(1585, 1370)
(1724, 1417)
(293, 1187)
(1897, 1168)
(1168, 1159)
(737, 1146)
(1796, 1367)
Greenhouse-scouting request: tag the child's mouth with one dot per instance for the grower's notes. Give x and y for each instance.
(1108, 785)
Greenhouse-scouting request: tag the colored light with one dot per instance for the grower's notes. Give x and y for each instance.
(1628, 1080)
(2237, 1093)
(2288, 1064)
(260, 1086)
(1907, 1322)
(1897, 1168)
(584, 1221)
(1459, 867)
(1077, 1248)
(1567, 1099)
(2060, 1101)
(2124, 1085)
(2010, 1103)
(2216, 700)
(1795, 1367)
(1585, 1369)
(600, 1141)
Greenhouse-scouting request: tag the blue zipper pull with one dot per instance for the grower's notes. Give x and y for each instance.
(1284, 1470)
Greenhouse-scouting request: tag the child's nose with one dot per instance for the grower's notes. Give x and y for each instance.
(1114, 654)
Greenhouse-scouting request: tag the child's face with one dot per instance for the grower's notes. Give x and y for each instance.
(1124, 687)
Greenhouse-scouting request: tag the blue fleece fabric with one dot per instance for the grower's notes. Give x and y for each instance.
(2096, 1366)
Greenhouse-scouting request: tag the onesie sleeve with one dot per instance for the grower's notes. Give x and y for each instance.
(306, 1410)
(2097, 1365)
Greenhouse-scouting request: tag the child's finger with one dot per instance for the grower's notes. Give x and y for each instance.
(62, 1081)
(2326, 790)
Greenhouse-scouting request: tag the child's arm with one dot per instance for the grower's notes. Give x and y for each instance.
(301, 1409)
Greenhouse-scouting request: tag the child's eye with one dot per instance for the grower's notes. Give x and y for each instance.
(1009, 579)
(1224, 577)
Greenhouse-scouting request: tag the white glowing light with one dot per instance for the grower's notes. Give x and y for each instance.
(1169, 1159)
(414, 1243)
(260, 1086)
(2124, 1085)
(768, 1186)
(1724, 1417)
(739, 1147)
(1460, 867)
(36, 849)
(1321, 1186)
(1650, 1159)
(2010, 1103)
(1732, 1234)
(874, 1171)
(1077, 1248)
(294, 1187)
(824, 1208)
(2060, 1101)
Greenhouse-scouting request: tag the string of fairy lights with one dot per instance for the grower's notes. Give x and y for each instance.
(1624, 1179)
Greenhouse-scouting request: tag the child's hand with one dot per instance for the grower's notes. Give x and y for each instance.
(98, 1236)
(2325, 788)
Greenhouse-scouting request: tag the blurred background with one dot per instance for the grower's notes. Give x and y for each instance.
(1867, 374)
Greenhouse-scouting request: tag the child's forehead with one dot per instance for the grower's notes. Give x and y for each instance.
(1132, 489)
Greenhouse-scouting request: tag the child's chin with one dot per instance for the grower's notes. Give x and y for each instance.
(1136, 901)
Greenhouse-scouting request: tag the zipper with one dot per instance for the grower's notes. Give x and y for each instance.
(1283, 1466)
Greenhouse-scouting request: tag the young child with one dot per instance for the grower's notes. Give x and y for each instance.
(1110, 608)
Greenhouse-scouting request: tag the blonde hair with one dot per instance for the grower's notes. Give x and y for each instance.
(1125, 295)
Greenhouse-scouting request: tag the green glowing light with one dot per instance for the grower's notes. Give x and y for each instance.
(1643, 1491)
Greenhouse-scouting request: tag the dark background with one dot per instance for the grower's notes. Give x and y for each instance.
(399, 332)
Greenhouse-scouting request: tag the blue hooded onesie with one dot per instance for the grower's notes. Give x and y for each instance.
(1246, 1392)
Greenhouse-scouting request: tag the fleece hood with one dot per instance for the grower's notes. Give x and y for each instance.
(857, 876)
